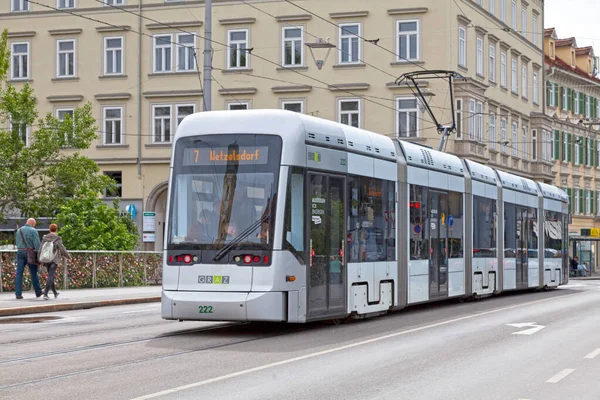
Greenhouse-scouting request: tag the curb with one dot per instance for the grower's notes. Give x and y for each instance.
(6, 312)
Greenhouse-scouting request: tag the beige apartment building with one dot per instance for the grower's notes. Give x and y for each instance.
(573, 103)
(139, 62)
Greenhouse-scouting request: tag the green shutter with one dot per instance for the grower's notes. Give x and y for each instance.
(557, 144)
(556, 94)
(581, 202)
(585, 151)
(581, 103)
(595, 152)
(562, 92)
(547, 93)
(569, 148)
(572, 100)
(570, 195)
(563, 149)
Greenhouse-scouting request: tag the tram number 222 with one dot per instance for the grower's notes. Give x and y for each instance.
(205, 309)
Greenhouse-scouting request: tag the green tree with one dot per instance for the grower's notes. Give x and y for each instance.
(40, 172)
(87, 223)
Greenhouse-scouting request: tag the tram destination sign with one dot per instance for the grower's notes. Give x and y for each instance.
(224, 155)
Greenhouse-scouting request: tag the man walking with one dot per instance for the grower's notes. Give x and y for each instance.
(27, 237)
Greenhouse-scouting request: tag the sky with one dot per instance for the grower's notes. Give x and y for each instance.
(578, 18)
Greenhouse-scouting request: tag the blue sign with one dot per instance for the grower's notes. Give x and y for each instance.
(132, 210)
(417, 229)
(450, 220)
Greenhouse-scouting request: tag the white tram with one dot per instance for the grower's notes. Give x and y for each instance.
(279, 216)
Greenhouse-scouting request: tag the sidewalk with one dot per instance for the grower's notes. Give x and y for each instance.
(77, 299)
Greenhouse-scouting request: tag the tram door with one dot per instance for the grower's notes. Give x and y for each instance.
(438, 244)
(327, 266)
(522, 247)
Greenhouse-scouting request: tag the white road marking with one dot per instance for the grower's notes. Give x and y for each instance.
(535, 328)
(140, 311)
(593, 354)
(560, 376)
(340, 348)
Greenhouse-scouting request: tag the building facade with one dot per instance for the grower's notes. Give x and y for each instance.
(573, 104)
(139, 62)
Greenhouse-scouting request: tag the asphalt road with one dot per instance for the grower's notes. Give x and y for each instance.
(540, 345)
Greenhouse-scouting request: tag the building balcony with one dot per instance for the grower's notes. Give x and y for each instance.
(542, 171)
(471, 149)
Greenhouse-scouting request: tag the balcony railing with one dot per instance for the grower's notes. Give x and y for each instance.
(90, 269)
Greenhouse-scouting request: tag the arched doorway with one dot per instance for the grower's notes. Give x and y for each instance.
(157, 203)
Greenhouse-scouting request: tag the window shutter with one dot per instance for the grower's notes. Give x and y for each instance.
(557, 144)
(581, 202)
(584, 148)
(569, 148)
(581, 103)
(571, 100)
(569, 195)
(562, 96)
(547, 93)
(596, 153)
(556, 94)
(592, 202)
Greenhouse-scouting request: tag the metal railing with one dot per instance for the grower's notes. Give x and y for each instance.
(90, 269)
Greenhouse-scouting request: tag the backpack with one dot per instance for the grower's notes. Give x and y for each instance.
(47, 251)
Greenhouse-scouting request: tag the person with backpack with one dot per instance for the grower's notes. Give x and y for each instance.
(51, 252)
(27, 240)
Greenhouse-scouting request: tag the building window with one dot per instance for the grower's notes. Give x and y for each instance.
(459, 118)
(65, 58)
(293, 43)
(113, 55)
(588, 202)
(588, 108)
(492, 63)
(19, 66)
(515, 139)
(408, 112)
(293, 105)
(565, 98)
(577, 150)
(565, 152)
(534, 27)
(114, 2)
(117, 176)
(536, 89)
(66, 4)
(472, 119)
(113, 125)
(480, 56)
(182, 111)
(162, 53)
(590, 155)
(577, 110)
(462, 46)
(242, 105)
(503, 10)
(524, 80)
(493, 7)
(479, 122)
(19, 5)
(577, 200)
(349, 43)
(64, 113)
(514, 77)
(492, 131)
(598, 108)
(514, 15)
(524, 21)
(238, 46)
(20, 129)
(597, 154)
(533, 144)
(408, 40)
(553, 94)
(524, 142)
(503, 134)
(161, 120)
(598, 202)
(503, 69)
(349, 112)
(186, 52)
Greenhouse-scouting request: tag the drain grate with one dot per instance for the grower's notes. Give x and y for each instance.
(27, 320)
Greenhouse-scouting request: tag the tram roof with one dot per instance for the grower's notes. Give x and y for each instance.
(480, 172)
(516, 182)
(553, 192)
(423, 157)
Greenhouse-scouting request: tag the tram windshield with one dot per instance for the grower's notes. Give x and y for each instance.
(224, 192)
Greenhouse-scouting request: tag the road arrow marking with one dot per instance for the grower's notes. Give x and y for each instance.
(534, 328)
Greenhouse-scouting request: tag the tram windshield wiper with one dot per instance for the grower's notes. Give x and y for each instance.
(241, 237)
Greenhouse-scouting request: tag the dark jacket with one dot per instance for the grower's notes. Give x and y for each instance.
(59, 248)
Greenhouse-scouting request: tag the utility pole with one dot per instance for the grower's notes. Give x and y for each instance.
(207, 93)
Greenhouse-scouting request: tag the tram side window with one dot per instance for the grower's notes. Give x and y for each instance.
(294, 212)
(370, 230)
(455, 232)
(553, 231)
(532, 245)
(484, 227)
(510, 230)
(417, 209)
